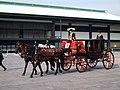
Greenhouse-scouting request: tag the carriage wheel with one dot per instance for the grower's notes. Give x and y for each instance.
(91, 63)
(67, 65)
(81, 65)
(108, 60)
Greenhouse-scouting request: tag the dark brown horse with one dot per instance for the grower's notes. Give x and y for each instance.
(27, 52)
(48, 54)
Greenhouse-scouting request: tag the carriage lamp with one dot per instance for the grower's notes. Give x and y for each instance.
(88, 45)
(115, 46)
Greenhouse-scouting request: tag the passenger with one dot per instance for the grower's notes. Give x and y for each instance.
(99, 35)
(71, 34)
(101, 44)
(1, 60)
(71, 38)
(47, 43)
(36, 46)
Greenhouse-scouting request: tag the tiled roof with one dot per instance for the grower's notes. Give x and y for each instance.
(49, 10)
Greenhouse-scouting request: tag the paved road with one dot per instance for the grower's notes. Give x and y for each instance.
(93, 79)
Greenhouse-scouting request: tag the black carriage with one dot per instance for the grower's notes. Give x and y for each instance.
(94, 52)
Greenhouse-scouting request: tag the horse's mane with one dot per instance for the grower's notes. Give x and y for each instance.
(31, 49)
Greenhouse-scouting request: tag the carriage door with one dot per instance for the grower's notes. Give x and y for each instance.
(68, 43)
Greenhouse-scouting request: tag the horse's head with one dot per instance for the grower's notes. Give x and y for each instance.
(18, 48)
(24, 50)
(21, 48)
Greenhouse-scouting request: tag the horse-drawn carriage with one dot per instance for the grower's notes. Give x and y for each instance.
(87, 52)
(80, 53)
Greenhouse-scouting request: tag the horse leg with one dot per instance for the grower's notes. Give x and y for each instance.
(57, 63)
(59, 66)
(35, 68)
(31, 76)
(40, 69)
(47, 64)
(26, 64)
(52, 64)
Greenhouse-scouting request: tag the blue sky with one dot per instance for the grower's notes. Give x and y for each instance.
(112, 6)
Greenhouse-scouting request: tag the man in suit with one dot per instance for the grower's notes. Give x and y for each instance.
(100, 37)
(1, 59)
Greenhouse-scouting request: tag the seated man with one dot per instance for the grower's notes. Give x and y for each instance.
(71, 38)
(71, 34)
(47, 43)
(101, 41)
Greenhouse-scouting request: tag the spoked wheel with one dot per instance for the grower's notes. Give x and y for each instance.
(67, 65)
(92, 63)
(81, 65)
(108, 60)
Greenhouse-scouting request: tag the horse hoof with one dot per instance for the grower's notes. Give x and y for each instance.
(60, 71)
(41, 75)
(31, 76)
(55, 73)
(23, 74)
(52, 69)
(35, 73)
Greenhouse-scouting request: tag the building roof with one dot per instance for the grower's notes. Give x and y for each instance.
(57, 11)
